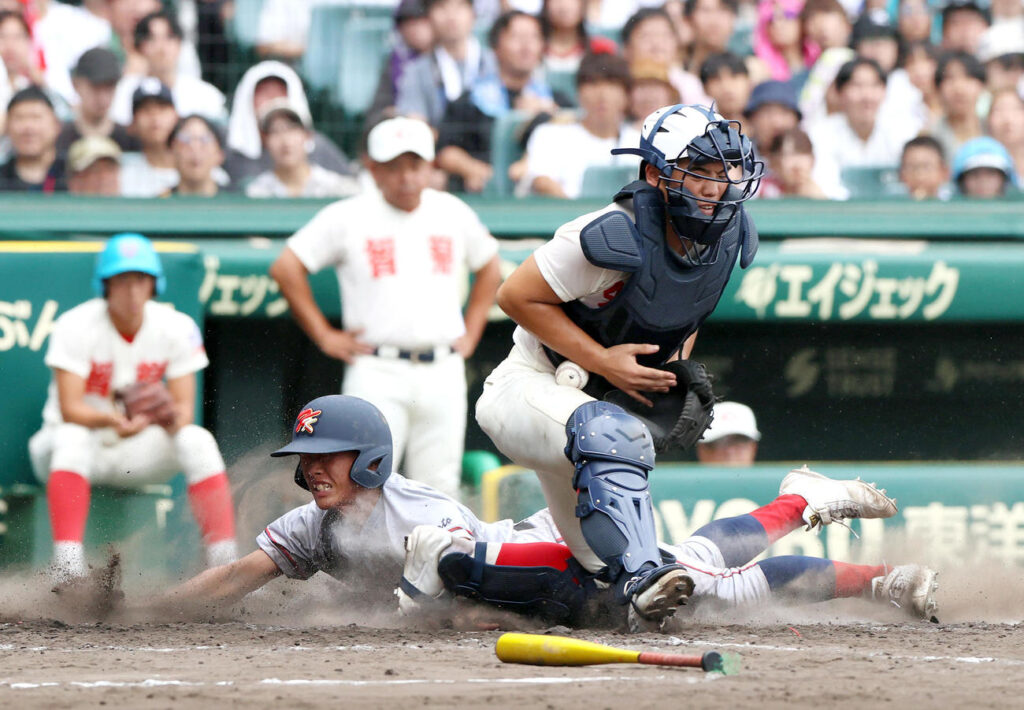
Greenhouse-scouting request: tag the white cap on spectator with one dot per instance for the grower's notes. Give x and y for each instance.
(395, 136)
(732, 418)
(1000, 40)
(282, 105)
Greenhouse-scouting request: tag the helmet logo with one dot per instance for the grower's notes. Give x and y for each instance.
(306, 419)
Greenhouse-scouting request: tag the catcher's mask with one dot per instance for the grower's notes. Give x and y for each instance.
(695, 141)
(338, 423)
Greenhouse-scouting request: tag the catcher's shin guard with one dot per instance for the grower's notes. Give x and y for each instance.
(551, 594)
(612, 452)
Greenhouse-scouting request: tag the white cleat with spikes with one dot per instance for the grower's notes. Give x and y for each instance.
(909, 587)
(829, 501)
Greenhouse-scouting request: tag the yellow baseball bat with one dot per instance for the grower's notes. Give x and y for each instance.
(537, 650)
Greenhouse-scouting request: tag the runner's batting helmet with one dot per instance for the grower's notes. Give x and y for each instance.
(337, 423)
(128, 252)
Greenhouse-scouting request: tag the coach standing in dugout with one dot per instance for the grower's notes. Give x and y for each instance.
(400, 253)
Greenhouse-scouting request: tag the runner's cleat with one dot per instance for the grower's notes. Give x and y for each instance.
(830, 501)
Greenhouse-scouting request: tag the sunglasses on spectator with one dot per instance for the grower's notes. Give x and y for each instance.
(186, 139)
(785, 13)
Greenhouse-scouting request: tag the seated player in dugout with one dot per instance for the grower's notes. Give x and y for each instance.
(365, 521)
(123, 346)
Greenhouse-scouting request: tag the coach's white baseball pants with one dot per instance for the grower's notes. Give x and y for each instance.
(425, 406)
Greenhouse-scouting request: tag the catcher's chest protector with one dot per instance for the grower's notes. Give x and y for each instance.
(665, 300)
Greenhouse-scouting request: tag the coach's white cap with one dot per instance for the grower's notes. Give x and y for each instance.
(395, 136)
(732, 418)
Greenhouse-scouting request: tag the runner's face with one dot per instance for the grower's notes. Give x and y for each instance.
(329, 480)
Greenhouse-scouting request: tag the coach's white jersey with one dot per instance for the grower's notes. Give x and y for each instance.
(307, 539)
(401, 273)
(85, 342)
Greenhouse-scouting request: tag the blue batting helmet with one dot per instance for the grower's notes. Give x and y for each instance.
(338, 423)
(704, 140)
(128, 252)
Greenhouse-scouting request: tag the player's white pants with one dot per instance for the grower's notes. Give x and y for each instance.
(524, 412)
(703, 559)
(425, 406)
(102, 457)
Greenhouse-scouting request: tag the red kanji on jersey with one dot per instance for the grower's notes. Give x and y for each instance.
(441, 254)
(98, 381)
(150, 371)
(611, 292)
(381, 253)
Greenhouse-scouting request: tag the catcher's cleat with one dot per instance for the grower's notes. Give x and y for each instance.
(830, 501)
(655, 597)
(909, 587)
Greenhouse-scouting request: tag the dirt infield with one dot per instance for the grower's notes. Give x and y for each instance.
(296, 645)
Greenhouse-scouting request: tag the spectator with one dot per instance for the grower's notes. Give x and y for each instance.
(914, 21)
(924, 170)
(649, 90)
(414, 35)
(63, 33)
(260, 85)
(1001, 51)
(566, 37)
(791, 158)
(960, 82)
(859, 135)
(983, 169)
(713, 22)
(1006, 125)
(649, 35)
(434, 80)
(285, 135)
(727, 81)
(771, 111)
(198, 150)
(732, 438)
(32, 127)
(94, 167)
(119, 338)
(818, 97)
(19, 56)
(158, 38)
(919, 60)
(825, 25)
(963, 24)
(603, 90)
(464, 141)
(95, 78)
(125, 16)
(151, 171)
(874, 38)
(401, 253)
(284, 29)
(779, 41)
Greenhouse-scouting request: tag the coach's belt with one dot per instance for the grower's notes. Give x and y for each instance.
(425, 355)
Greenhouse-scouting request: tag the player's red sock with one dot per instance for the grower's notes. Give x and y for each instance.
(855, 580)
(211, 505)
(782, 516)
(534, 554)
(68, 495)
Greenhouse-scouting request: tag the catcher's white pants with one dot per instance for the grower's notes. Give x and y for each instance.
(524, 411)
(424, 403)
(102, 457)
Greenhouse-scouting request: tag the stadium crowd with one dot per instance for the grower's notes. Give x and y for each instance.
(843, 98)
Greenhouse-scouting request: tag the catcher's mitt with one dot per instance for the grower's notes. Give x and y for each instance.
(680, 416)
(149, 398)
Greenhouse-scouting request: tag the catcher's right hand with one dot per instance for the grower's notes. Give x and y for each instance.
(150, 399)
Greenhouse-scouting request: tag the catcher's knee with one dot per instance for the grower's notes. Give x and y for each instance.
(612, 452)
(197, 453)
(551, 594)
(73, 450)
